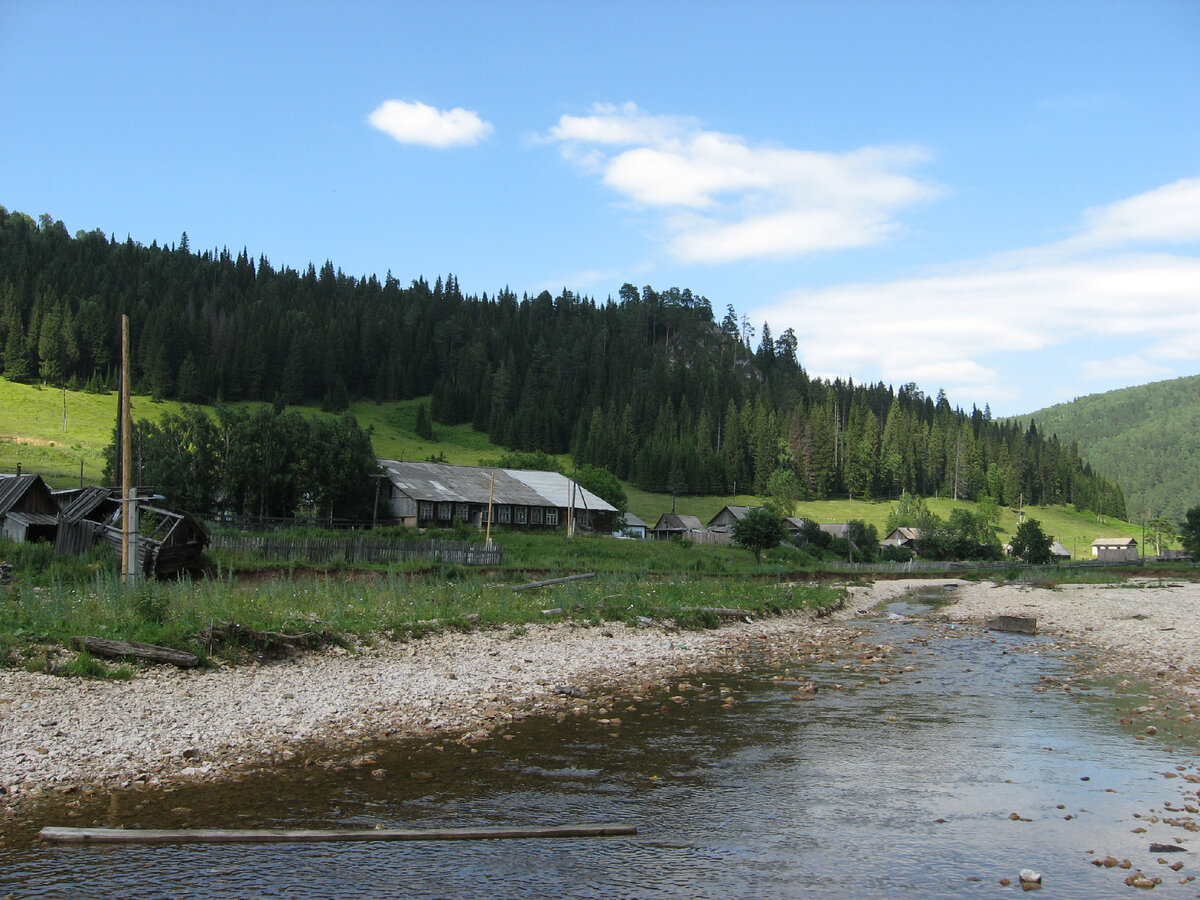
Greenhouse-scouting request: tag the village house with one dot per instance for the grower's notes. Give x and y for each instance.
(723, 520)
(630, 526)
(436, 495)
(1115, 549)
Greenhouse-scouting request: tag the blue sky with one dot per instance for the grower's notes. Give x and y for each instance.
(998, 199)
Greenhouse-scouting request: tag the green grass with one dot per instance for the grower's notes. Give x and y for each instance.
(53, 599)
(35, 433)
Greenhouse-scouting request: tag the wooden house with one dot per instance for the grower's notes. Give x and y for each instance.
(670, 525)
(1058, 551)
(724, 519)
(1115, 549)
(28, 510)
(436, 495)
(630, 526)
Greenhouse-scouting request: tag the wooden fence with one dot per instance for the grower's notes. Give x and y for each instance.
(320, 551)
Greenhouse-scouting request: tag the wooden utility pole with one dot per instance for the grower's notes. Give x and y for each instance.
(491, 494)
(126, 453)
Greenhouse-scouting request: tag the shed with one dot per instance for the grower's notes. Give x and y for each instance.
(1058, 551)
(902, 537)
(84, 517)
(1115, 549)
(795, 524)
(28, 510)
(168, 543)
(669, 525)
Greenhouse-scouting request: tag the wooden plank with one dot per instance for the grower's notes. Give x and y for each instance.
(538, 584)
(66, 835)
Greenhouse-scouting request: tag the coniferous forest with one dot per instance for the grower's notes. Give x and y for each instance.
(652, 384)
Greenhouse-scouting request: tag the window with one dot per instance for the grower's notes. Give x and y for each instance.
(425, 512)
(522, 515)
(504, 514)
(552, 517)
(444, 511)
(462, 511)
(535, 515)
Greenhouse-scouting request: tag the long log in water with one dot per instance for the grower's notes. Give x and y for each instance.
(64, 835)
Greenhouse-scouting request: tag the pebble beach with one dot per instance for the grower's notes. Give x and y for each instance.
(63, 735)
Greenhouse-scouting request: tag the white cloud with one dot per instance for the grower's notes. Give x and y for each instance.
(419, 123)
(722, 199)
(1169, 214)
(1134, 367)
(951, 330)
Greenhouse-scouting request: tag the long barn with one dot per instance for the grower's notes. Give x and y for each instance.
(436, 495)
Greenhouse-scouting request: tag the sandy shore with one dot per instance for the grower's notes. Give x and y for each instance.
(61, 735)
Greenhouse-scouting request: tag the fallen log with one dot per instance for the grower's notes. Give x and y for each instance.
(64, 835)
(110, 649)
(538, 584)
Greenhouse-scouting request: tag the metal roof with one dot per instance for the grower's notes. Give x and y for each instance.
(442, 483)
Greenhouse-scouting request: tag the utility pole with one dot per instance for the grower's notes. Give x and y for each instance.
(127, 499)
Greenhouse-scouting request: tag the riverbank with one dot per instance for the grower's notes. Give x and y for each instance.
(1148, 629)
(62, 735)
(65, 735)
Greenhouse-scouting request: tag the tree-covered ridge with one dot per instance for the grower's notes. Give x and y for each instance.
(1146, 437)
(649, 384)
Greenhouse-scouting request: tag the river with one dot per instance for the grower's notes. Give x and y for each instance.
(929, 761)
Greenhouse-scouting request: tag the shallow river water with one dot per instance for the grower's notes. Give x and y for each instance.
(900, 785)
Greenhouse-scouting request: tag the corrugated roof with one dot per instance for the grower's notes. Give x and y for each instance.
(442, 483)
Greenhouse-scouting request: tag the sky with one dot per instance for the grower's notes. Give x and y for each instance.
(996, 199)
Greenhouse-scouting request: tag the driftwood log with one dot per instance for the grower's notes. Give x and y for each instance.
(110, 649)
(271, 835)
(271, 642)
(538, 584)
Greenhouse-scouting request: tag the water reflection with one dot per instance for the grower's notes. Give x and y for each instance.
(948, 769)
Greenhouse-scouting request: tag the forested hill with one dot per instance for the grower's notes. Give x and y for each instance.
(1146, 437)
(650, 384)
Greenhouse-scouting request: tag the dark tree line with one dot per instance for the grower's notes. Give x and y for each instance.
(648, 384)
(256, 462)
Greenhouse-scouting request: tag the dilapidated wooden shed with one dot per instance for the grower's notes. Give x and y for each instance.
(28, 510)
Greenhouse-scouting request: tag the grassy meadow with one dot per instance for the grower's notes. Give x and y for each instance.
(33, 434)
